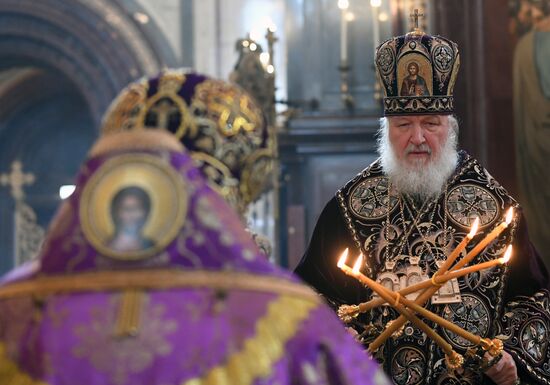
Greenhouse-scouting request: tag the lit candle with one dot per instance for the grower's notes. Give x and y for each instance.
(343, 5)
(461, 246)
(429, 288)
(391, 299)
(488, 239)
(477, 267)
(428, 284)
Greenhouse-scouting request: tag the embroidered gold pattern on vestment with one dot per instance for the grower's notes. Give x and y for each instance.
(259, 353)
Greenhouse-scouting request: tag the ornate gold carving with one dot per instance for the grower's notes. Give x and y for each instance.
(28, 234)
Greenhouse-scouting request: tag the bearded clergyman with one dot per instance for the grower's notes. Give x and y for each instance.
(407, 212)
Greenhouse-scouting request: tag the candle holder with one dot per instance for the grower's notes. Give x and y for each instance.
(347, 99)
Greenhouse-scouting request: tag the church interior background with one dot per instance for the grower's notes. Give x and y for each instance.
(63, 61)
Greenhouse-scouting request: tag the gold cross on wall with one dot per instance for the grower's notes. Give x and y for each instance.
(16, 179)
(415, 16)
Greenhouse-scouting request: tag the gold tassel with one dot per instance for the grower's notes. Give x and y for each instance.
(127, 323)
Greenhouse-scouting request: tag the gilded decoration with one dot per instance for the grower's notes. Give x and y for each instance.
(418, 66)
(216, 121)
(418, 73)
(124, 111)
(166, 108)
(158, 279)
(279, 325)
(133, 207)
(232, 109)
(117, 356)
(468, 201)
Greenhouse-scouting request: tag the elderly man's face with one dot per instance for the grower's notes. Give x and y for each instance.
(417, 140)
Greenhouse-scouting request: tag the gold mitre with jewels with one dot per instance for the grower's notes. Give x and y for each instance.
(418, 73)
(218, 122)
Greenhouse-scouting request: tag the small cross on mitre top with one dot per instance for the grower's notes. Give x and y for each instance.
(415, 16)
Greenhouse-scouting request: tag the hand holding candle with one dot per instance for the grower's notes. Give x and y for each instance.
(442, 276)
(366, 306)
(428, 290)
(453, 359)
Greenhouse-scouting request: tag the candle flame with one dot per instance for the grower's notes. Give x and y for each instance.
(509, 215)
(358, 264)
(474, 228)
(343, 257)
(507, 255)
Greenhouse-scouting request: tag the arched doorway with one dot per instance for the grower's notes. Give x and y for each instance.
(61, 64)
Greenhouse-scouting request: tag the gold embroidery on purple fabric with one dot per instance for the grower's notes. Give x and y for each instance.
(11, 374)
(117, 357)
(125, 109)
(259, 353)
(133, 207)
(155, 280)
(232, 109)
(129, 314)
(221, 122)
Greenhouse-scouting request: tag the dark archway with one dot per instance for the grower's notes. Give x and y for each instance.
(96, 44)
(61, 64)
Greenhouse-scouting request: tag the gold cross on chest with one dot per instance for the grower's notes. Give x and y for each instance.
(16, 179)
(415, 15)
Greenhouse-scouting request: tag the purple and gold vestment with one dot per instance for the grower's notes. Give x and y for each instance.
(195, 304)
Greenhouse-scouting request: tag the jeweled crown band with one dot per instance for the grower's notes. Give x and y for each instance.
(418, 105)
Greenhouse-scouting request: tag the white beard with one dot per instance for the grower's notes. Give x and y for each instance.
(420, 180)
